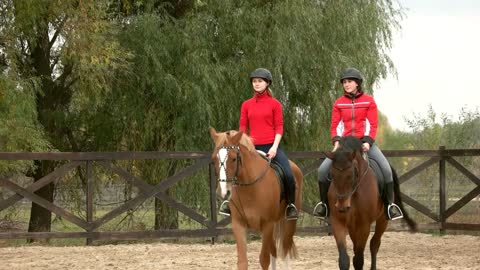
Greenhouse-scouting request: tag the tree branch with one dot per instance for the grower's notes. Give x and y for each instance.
(57, 32)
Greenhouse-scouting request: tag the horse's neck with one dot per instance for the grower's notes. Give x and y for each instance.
(253, 166)
(364, 171)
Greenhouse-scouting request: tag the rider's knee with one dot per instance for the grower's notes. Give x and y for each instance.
(387, 174)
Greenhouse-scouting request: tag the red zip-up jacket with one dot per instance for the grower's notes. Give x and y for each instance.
(354, 115)
(262, 116)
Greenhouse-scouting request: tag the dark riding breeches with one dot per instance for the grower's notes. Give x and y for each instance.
(282, 159)
(374, 153)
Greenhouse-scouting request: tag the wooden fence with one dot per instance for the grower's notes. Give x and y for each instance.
(211, 226)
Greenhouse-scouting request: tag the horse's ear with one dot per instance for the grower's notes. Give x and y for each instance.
(213, 134)
(330, 155)
(236, 138)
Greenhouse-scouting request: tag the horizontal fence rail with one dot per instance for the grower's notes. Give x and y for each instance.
(211, 227)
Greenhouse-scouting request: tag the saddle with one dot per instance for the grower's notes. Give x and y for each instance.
(378, 176)
(281, 177)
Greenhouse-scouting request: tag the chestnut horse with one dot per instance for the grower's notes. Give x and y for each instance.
(356, 203)
(256, 202)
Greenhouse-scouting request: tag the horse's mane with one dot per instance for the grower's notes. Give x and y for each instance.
(348, 145)
(245, 140)
(351, 143)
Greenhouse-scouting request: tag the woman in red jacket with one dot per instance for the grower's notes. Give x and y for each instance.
(262, 117)
(355, 113)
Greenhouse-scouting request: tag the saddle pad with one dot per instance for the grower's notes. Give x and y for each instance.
(378, 176)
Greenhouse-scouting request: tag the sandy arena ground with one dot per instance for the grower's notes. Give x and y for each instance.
(399, 250)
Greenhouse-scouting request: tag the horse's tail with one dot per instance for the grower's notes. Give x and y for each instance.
(398, 200)
(284, 231)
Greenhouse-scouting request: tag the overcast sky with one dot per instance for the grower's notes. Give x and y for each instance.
(437, 56)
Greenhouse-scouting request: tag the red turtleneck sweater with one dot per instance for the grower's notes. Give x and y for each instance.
(262, 116)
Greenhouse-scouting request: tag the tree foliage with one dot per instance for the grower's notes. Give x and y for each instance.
(434, 130)
(430, 132)
(160, 72)
(62, 55)
(59, 55)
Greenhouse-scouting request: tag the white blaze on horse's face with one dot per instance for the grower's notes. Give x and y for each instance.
(222, 172)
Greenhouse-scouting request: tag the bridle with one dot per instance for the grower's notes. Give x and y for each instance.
(224, 165)
(355, 184)
(238, 163)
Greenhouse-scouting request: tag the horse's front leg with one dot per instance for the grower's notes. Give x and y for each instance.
(359, 235)
(268, 246)
(339, 231)
(376, 240)
(239, 232)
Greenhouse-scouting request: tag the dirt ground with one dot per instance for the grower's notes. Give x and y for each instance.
(399, 250)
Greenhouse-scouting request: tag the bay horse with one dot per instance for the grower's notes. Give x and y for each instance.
(255, 202)
(357, 203)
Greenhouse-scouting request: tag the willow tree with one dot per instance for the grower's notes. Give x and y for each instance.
(57, 53)
(155, 102)
(306, 44)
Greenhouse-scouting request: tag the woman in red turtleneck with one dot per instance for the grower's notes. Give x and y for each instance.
(262, 118)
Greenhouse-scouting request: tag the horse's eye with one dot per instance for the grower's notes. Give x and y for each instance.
(234, 159)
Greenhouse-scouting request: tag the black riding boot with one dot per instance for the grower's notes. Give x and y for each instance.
(225, 208)
(392, 210)
(321, 209)
(291, 213)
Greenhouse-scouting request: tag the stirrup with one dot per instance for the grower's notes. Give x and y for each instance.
(286, 212)
(394, 207)
(223, 208)
(320, 204)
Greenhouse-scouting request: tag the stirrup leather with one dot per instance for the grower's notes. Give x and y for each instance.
(316, 207)
(394, 207)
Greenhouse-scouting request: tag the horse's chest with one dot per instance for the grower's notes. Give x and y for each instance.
(255, 215)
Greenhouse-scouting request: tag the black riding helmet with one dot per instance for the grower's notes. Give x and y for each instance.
(262, 73)
(352, 73)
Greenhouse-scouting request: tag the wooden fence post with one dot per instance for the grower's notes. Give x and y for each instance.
(442, 187)
(213, 197)
(89, 198)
